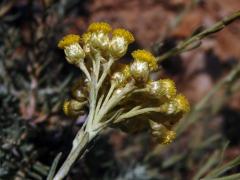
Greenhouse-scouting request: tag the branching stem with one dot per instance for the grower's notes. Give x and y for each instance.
(195, 40)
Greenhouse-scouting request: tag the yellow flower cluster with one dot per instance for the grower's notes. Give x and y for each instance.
(116, 94)
(162, 94)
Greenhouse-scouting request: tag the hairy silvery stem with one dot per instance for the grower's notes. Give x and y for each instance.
(92, 126)
(80, 144)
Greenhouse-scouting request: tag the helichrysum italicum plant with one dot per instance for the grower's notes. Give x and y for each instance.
(114, 94)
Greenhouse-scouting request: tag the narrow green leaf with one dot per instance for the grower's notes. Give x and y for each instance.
(173, 160)
(54, 166)
(230, 177)
(214, 158)
(224, 168)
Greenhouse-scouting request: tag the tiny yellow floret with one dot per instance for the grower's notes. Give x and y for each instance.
(68, 40)
(169, 137)
(170, 86)
(126, 71)
(164, 89)
(66, 107)
(99, 26)
(146, 56)
(123, 33)
(86, 37)
(121, 77)
(183, 103)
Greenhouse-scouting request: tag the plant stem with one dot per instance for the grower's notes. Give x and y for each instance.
(195, 40)
(77, 149)
(105, 72)
(84, 69)
(91, 127)
(135, 112)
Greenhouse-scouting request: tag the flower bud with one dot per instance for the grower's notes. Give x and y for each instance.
(118, 78)
(79, 91)
(118, 47)
(100, 40)
(99, 26)
(168, 137)
(99, 35)
(73, 108)
(73, 51)
(120, 41)
(86, 40)
(177, 105)
(145, 56)
(161, 133)
(121, 77)
(78, 95)
(163, 89)
(140, 71)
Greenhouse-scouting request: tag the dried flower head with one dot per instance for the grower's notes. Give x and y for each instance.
(177, 105)
(121, 77)
(161, 133)
(86, 37)
(73, 108)
(123, 33)
(72, 49)
(99, 26)
(68, 40)
(145, 56)
(99, 38)
(163, 89)
(121, 38)
(140, 71)
(79, 90)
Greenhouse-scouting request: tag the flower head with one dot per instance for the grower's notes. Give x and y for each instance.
(163, 89)
(177, 105)
(183, 104)
(99, 35)
(99, 27)
(73, 108)
(86, 37)
(140, 71)
(121, 38)
(72, 49)
(161, 133)
(145, 56)
(68, 40)
(126, 35)
(121, 77)
(79, 90)
(74, 53)
(66, 107)
(168, 137)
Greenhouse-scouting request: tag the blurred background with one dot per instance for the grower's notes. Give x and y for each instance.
(35, 79)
